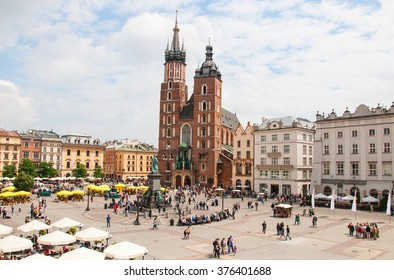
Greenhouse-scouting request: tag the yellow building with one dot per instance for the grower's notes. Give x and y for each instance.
(83, 150)
(128, 160)
(10, 145)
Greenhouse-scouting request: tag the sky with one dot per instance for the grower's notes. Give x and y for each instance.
(95, 67)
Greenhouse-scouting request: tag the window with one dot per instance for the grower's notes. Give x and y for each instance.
(204, 89)
(354, 149)
(168, 132)
(7, 148)
(248, 143)
(274, 161)
(186, 134)
(5, 156)
(25, 154)
(264, 173)
(339, 134)
(326, 169)
(310, 150)
(238, 154)
(26, 144)
(386, 131)
(239, 143)
(304, 149)
(87, 165)
(387, 168)
(286, 136)
(68, 152)
(35, 145)
(372, 169)
(326, 150)
(263, 149)
(371, 132)
(14, 156)
(340, 168)
(169, 108)
(286, 149)
(340, 149)
(304, 174)
(204, 118)
(263, 161)
(274, 149)
(325, 135)
(274, 174)
(97, 153)
(304, 161)
(372, 148)
(310, 161)
(88, 153)
(354, 168)
(78, 152)
(286, 174)
(169, 96)
(36, 155)
(263, 138)
(354, 133)
(67, 164)
(386, 148)
(286, 161)
(247, 154)
(310, 138)
(274, 137)
(304, 137)
(204, 106)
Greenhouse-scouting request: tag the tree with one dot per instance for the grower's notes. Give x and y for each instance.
(98, 172)
(27, 167)
(47, 170)
(9, 171)
(24, 182)
(80, 171)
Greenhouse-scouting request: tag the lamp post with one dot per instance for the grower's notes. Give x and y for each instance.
(137, 219)
(222, 200)
(87, 207)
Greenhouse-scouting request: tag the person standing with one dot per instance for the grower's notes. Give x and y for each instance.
(264, 225)
(223, 245)
(314, 221)
(282, 231)
(155, 223)
(287, 232)
(108, 221)
(235, 250)
(230, 244)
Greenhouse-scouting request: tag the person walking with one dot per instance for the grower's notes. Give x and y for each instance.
(230, 243)
(108, 221)
(235, 250)
(264, 225)
(314, 221)
(155, 224)
(287, 232)
(282, 231)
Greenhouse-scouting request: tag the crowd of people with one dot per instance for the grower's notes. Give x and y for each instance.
(364, 230)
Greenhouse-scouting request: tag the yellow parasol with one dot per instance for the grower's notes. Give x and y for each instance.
(78, 192)
(7, 194)
(10, 188)
(22, 193)
(64, 193)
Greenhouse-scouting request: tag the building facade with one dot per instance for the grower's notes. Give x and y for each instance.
(354, 152)
(128, 160)
(10, 147)
(283, 156)
(31, 147)
(196, 133)
(243, 163)
(81, 149)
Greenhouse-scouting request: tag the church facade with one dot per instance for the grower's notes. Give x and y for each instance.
(196, 133)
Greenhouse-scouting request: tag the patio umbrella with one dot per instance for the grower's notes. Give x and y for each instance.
(320, 196)
(11, 189)
(7, 194)
(14, 243)
(83, 254)
(22, 193)
(4, 230)
(370, 199)
(125, 250)
(33, 226)
(56, 238)
(348, 197)
(65, 223)
(38, 257)
(63, 193)
(92, 234)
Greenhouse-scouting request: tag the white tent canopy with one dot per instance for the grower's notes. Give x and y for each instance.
(56, 238)
(348, 197)
(83, 254)
(39, 257)
(66, 222)
(370, 199)
(14, 243)
(4, 230)
(320, 196)
(33, 226)
(92, 234)
(125, 250)
(283, 206)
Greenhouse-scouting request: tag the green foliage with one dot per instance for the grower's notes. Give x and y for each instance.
(9, 171)
(72, 230)
(42, 232)
(24, 182)
(47, 170)
(27, 167)
(80, 171)
(98, 172)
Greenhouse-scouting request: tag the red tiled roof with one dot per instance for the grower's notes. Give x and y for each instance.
(11, 133)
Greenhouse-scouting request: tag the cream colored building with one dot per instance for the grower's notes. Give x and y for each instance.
(10, 145)
(81, 149)
(283, 155)
(127, 160)
(243, 163)
(355, 152)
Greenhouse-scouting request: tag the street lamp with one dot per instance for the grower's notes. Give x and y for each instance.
(87, 207)
(137, 219)
(222, 193)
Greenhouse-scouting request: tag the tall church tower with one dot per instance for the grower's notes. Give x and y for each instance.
(173, 97)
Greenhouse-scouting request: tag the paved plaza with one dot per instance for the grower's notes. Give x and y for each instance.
(329, 241)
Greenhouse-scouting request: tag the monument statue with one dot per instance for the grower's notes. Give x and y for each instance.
(155, 165)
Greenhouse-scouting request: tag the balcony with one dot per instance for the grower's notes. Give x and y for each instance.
(274, 155)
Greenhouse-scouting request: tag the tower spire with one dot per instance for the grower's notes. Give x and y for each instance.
(175, 52)
(175, 38)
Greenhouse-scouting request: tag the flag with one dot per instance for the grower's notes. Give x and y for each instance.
(388, 210)
(313, 199)
(332, 205)
(354, 205)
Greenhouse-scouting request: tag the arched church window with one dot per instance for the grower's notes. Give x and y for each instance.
(169, 95)
(168, 132)
(204, 89)
(204, 106)
(169, 85)
(186, 134)
(169, 108)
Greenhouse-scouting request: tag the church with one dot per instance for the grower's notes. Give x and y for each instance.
(195, 134)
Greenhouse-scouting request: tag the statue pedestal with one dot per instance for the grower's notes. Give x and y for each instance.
(154, 185)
